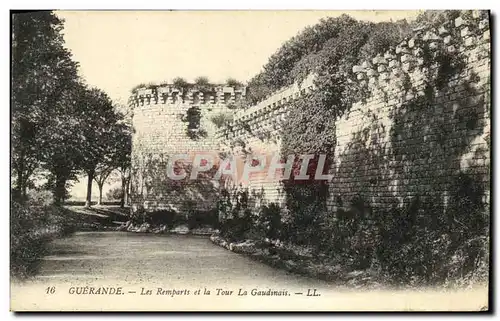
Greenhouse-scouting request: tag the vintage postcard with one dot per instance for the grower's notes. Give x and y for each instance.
(250, 160)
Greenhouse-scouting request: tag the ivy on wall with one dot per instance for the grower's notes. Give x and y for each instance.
(193, 120)
(432, 228)
(403, 241)
(310, 126)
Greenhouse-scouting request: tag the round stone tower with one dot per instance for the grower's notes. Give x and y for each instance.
(170, 120)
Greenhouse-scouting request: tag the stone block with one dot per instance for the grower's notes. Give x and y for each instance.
(486, 35)
(484, 24)
(470, 41)
(480, 14)
(433, 45)
(389, 56)
(405, 58)
(379, 60)
(465, 32)
(443, 31)
(393, 63)
(357, 69)
(384, 76)
(407, 66)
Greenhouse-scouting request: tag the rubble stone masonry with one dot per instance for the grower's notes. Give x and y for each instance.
(425, 124)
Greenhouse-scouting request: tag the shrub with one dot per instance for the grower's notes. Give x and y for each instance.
(153, 86)
(40, 197)
(221, 119)
(270, 221)
(237, 219)
(193, 120)
(202, 81)
(197, 218)
(32, 225)
(427, 237)
(231, 82)
(136, 88)
(165, 217)
(181, 83)
(114, 194)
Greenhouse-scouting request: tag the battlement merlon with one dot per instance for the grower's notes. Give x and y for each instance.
(190, 94)
(460, 35)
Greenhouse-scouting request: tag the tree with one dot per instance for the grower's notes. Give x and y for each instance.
(60, 142)
(101, 174)
(117, 157)
(123, 161)
(58, 124)
(97, 124)
(123, 153)
(42, 71)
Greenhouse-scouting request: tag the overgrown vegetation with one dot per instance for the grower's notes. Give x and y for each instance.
(180, 82)
(439, 231)
(202, 81)
(221, 119)
(231, 82)
(193, 120)
(193, 218)
(339, 44)
(32, 224)
(114, 194)
(60, 126)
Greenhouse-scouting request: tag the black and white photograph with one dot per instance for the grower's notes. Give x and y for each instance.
(250, 160)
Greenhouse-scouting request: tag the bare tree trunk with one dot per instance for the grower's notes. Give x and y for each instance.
(124, 192)
(60, 189)
(17, 193)
(20, 179)
(25, 184)
(24, 192)
(99, 202)
(88, 201)
(127, 193)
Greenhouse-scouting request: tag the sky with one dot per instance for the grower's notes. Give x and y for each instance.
(117, 50)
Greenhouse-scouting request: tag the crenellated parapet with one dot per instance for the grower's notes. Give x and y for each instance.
(450, 62)
(423, 119)
(256, 132)
(175, 120)
(191, 94)
(417, 55)
(267, 115)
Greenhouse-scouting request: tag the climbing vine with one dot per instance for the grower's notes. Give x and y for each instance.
(310, 129)
(310, 125)
(193, 120)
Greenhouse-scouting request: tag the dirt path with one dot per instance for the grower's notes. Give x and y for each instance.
(137, 261)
